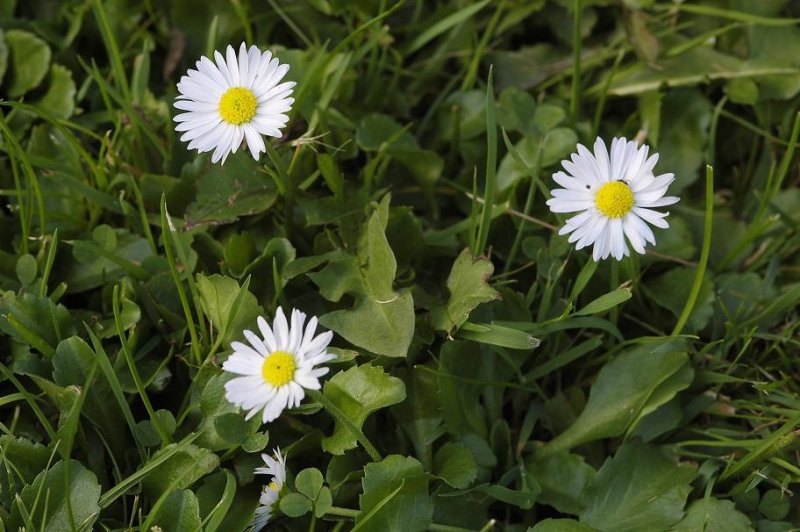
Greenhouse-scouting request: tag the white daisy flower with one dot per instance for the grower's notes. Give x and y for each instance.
(615, 194)
(277, 367)
(237, 98)
(271, 493)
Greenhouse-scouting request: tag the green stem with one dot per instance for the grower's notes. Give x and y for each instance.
(575, 102)
(342, 512)
(704, 254)
(333, 410)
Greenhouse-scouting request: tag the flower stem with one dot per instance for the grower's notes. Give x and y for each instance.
(333, 410)
(704, 254)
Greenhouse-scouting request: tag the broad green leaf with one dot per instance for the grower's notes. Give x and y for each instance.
(35, 320)
(218, 297)
(419, 414)
(225, 193)
(638, 489)
(381, 327)
(713, 515)
(295, 505)
(455, 464)
(72, 363)
(30, 59)
(561, 525)
(73, 490)
(358, 392)
(395, 496)
(59, 100)
(179, 512)
(564, 478)
(775, 505)
(632, 384)
(180, 470)
(468, 288)
(461, 363)
(683, 137)
(671, 290)
(382, 320)
(20, 461)
(308, 482)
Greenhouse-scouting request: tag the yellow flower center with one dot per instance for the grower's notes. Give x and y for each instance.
(614, 199)
(238, 105)
(278, 368)
(273, 486)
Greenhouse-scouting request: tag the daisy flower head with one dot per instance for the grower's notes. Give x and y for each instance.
(276, 367)
(237, 98)
(276, 467)
(614, 194)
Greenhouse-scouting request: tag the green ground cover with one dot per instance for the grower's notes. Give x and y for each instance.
(488, 375)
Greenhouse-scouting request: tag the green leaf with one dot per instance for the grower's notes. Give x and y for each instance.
(605, 302)
(72, 363)
(232, 427)
(460, 364)
(59, 100)
(558, 143)
(180, 470)
(395, 496)
(218, 295)
(358, 392)
(30, 58)
(564, 478)
(35, 320)
(632, 385)
(775, 505)
(560, 525)
(671, 290)
(639, 489)
(682, 140)
(179, 512)
(419, 415)
(295, 505)
(382, 320)
(21, 461)
(26, 269)
(468, 287)
(309, 482)
(3, 55)
(713, 515)
(455, 464)
(324, 502)
(72, 497)
(225, 193)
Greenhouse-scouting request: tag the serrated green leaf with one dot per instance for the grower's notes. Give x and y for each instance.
(59, 100)
(358, 392)
(468, 287)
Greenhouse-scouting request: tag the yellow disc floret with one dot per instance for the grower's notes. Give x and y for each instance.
(238, 105)
(278, 368)
(614, 199)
